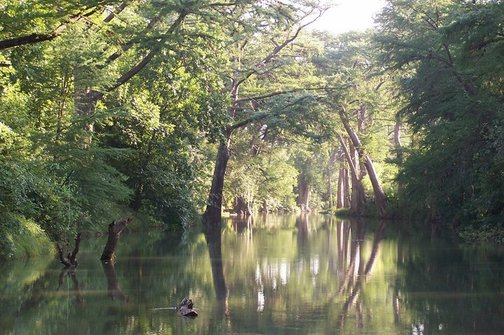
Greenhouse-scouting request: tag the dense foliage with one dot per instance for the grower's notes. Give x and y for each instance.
(448, 55)
(110, 107)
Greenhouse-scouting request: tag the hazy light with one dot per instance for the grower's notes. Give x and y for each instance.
(349, 15)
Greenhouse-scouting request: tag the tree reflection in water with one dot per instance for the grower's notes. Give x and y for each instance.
(273, 275)
(113, 290)
(71, 273)
(213, 236)
(345, 262)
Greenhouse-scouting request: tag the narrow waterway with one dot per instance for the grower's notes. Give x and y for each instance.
(272, 275)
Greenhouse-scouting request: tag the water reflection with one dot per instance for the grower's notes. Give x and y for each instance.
(71, 273)
(213, 237)
(114, 292)
(271, 275)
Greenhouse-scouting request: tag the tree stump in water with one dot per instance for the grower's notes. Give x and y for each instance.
(185, 308)
(70, 261)
(114, 232)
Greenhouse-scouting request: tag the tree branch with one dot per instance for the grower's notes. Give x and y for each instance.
(279, 47)
(263, 115)
(294, 90)
(137, 68)
(37, 38)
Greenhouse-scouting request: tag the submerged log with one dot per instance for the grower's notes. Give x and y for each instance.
(114, 232)
(185, 308)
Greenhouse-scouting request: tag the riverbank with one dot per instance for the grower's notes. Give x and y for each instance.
(23, 238)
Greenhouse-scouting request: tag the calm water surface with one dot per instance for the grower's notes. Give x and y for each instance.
(276, 275)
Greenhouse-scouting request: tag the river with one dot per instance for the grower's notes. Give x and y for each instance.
(286, 274)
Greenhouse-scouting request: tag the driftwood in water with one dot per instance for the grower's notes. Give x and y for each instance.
(70, 261)
(114, 232)
(185, 308)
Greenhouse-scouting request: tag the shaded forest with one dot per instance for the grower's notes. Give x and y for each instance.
(173, 109)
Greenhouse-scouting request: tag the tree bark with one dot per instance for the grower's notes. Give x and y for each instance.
(333, 158)
(379, 194)
(346, 189)
(114, 232)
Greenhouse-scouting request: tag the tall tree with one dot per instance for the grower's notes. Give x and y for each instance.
(259, 39)
(361, 115)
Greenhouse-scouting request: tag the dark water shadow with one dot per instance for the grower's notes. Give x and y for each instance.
(113, 290)
(213, 236)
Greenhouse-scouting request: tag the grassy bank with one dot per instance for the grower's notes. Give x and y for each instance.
(23, 238)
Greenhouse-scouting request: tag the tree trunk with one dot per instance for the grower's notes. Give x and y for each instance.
(333, 158)
(346, 189)
(114, 232)
(339, 192)
(380, 197)
(304, 194)
(342, 195)
(213, 210)
(242, 206)
(71, 259)
(264, 207)
(357, 198)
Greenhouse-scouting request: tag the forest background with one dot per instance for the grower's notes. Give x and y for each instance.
(167, 110)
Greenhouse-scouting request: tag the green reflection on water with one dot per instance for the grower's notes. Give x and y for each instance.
(274, 275)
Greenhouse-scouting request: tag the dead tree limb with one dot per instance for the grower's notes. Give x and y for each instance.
(71, 258)
(114, 232)
(185, 308)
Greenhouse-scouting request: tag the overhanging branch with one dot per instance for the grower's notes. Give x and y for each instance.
(263, 115)
(37, 38)
(273, 94)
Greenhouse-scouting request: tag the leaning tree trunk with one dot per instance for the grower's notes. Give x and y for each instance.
(379, 194)
(213, 210)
